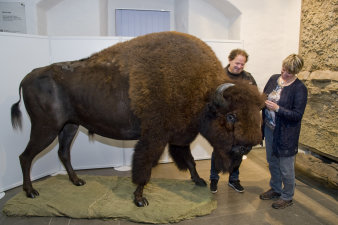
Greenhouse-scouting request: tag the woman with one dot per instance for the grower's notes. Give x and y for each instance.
(287, 97)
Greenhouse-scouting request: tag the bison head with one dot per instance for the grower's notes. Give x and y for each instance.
(232, 123)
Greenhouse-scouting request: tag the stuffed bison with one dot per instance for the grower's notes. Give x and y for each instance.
(160, 89)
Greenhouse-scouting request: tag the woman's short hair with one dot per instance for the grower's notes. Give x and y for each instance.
(293, 63)
(236, 52)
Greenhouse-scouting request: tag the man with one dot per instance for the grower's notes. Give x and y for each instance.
(235, 70)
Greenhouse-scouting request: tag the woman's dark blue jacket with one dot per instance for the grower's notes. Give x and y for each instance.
(292, 104)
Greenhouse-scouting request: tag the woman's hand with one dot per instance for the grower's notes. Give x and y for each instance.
(271, 105)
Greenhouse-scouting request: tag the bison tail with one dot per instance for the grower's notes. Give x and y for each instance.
(91, 135)
(16, 113)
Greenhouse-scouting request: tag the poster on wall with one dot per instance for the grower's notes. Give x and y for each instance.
(12, 17)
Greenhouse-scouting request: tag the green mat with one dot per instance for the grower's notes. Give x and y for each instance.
(112, 197)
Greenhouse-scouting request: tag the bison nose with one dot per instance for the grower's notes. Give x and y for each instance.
(246, 150)
(241, 150)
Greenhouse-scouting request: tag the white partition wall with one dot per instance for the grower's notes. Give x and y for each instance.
(222, 48)
(75, 48)
(20, 54)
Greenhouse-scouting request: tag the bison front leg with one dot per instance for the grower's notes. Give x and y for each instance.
(146, 155)
(184, 160)
(139, 200)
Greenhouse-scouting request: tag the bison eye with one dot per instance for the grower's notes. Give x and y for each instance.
(231, 118)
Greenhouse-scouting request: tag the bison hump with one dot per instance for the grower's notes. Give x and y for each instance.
(171, 77)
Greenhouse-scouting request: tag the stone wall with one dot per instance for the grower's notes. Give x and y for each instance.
(319, 48)
(320, 121)
(318, 34)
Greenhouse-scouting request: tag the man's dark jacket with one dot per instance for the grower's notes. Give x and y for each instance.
(244, 75)
(292, 104)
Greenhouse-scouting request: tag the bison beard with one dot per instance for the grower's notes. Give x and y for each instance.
(162, 88)
(228, 162)
(224, 163)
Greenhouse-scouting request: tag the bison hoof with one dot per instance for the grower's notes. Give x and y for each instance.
(141, 202)
(32, 194)
(79, 182)
(200, 182)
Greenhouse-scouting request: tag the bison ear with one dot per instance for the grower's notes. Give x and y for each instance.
(219, 99)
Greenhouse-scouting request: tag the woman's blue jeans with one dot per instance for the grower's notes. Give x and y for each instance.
(282, 169)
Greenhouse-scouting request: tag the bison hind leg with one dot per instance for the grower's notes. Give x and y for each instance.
(180, 155)
(66, 137)
(41, 137)
(184, 160)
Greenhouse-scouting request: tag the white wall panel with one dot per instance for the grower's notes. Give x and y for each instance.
(206, 21)
(75, 18)
(18, 56)
(222, 48)
(75, 48)
(98, 153)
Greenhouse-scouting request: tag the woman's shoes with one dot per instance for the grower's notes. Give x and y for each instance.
(270, 194)
(281, 204)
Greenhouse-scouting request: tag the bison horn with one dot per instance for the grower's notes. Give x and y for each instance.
(219, 99)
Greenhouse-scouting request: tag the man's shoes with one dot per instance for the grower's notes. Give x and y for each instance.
(236, 185)
(281, 204)
(270, 194)
(213, 186)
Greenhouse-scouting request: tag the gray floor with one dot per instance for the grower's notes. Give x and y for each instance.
(313, 203)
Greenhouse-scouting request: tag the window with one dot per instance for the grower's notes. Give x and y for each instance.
(133, 23)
